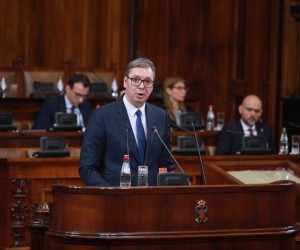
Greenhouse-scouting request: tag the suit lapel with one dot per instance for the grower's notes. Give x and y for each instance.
(259, 129)
(62, 104)
(240, 129)
(150, 118)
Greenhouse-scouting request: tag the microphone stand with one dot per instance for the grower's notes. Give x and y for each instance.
(199, 153)
(97, 76)
(182, 128)
(154, 129)
(127, 145)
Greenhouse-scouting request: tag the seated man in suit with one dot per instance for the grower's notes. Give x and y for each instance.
(230, 139)
(73, 101)
(124, 127)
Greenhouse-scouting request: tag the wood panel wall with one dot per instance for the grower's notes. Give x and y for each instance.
(50, 33)
(225, 49)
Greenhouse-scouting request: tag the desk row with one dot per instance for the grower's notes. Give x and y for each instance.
(31, 138)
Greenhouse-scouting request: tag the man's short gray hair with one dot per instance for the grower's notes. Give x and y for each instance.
(142, 63)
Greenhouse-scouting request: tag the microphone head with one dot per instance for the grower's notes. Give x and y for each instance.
(292, 124)
(190, 119)
(154, 129)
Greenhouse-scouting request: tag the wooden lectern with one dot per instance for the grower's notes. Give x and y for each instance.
(179, 217)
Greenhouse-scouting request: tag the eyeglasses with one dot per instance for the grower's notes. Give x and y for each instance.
(181, 88)
(79, 95)
(137, 82)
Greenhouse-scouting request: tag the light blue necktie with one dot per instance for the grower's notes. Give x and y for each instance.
(141, 138)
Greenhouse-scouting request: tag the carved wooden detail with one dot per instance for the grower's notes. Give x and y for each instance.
(19, 211)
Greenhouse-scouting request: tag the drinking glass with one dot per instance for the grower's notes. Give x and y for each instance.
(295, 145)
(142, 175)
(220, 120)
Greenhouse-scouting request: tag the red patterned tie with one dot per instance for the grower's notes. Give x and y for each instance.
(250, 131)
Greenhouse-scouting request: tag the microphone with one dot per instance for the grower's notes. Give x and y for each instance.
(294, 125)
(127, 145)
(97, 76)
(199, 153)
(182, 128)
(155, 131)
(186, 130)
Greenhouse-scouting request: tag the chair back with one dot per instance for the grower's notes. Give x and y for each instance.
(34, 79)
(99, 77)
(7, 122)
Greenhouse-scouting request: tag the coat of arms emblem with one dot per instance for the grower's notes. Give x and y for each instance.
(201, 212)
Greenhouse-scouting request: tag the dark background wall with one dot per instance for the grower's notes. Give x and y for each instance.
(225, 49)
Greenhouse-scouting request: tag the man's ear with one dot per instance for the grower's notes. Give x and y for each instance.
(240, 109)
(124, 82)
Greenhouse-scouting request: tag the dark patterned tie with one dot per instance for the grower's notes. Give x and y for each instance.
(141, 138)
(250, 131)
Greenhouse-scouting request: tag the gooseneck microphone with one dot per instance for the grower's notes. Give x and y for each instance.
(199, 153)
(97, 76)
(155, 131)
(127, 145)
(177, 126)
(294, 125)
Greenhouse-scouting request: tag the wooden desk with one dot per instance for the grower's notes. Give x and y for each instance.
(25, 181)
(26, 110)
(28, 152)
(22, 108)
(31, 138)
(217, 171)
(209, 137)
(191, 164)
(165, 218)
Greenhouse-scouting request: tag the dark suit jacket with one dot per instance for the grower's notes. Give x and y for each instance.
(105, 143)
(230, 138)
(50, 107)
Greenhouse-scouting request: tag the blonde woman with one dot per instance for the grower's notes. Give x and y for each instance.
(175, 92)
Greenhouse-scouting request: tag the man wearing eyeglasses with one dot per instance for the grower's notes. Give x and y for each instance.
(112, 132)
(73, 101)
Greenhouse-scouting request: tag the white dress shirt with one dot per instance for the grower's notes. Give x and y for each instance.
(131, 110)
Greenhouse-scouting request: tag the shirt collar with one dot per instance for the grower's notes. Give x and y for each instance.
(246, 127)
(132, 109)
(68, 103)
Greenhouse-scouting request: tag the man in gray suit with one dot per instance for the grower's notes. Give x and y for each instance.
(112, 132)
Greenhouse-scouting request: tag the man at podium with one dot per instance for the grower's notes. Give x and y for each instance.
(113, 131)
